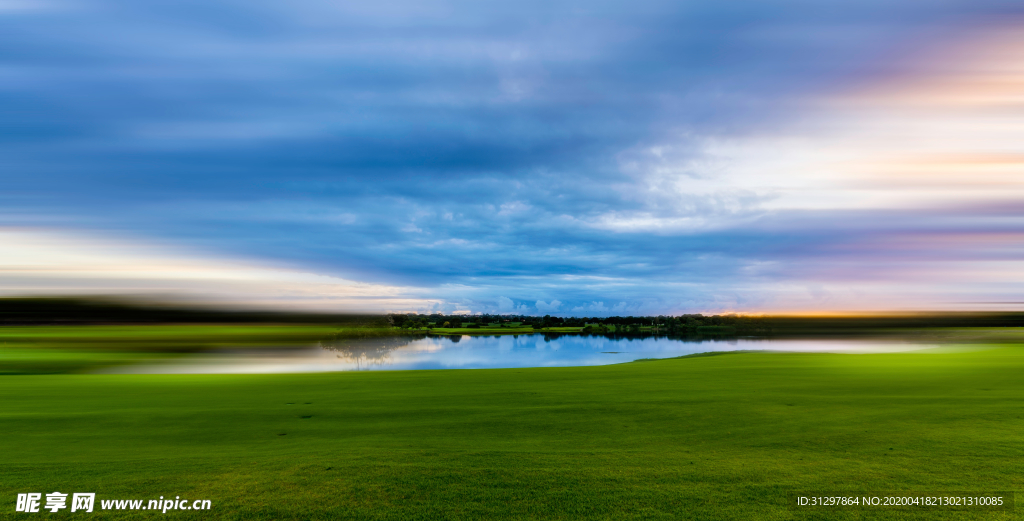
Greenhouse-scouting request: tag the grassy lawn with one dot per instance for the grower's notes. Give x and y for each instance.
(64, 349)
(707, 437)
(78, 349)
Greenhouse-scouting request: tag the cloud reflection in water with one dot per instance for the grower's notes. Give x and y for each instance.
(509, 351)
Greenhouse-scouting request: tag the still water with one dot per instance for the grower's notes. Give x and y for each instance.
(477, 352)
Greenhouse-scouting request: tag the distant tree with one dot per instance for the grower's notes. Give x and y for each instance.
(397, 320)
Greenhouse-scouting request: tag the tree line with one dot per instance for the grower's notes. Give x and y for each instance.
(15, 311)
(739, 325)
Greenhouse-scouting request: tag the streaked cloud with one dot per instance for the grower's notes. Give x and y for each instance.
(43, 262)
(546, 157)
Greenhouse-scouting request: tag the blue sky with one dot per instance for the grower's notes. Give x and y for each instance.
(585, 158)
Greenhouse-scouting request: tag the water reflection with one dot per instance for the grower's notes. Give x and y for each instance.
(368, 352)
(477, 352)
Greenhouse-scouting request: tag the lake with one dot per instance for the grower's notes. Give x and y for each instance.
(479, 352)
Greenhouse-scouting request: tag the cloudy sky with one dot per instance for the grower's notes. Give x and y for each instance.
(563, 157)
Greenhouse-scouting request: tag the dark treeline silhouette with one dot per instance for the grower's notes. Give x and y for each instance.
(70, 311)
(727, 325)
(83, 311)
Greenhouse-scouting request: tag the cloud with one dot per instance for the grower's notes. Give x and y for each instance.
(593, 309)
(505, 305)
(43, 262)
(680, 157)
(550, 307)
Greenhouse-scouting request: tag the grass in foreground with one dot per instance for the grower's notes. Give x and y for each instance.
(67, 349)
(716, 437)
(87, 348)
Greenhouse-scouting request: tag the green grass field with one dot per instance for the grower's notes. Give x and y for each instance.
(78, 349)
(706, 437)
(69, 349)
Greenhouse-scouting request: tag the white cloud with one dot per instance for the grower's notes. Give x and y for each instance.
(44, 262)
(550, 307)
(505, 305)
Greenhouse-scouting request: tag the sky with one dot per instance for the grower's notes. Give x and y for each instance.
(558, 157)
